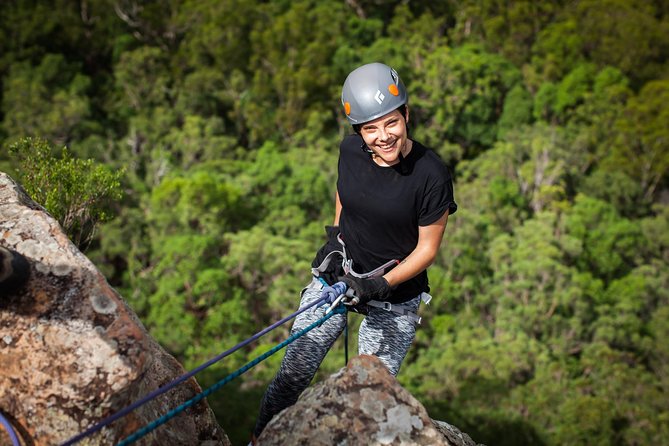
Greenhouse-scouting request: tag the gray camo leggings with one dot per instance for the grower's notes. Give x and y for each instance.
(382, 333)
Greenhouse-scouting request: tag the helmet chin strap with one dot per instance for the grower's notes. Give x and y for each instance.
(366, 149)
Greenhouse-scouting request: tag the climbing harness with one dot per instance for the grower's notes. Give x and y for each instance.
(347, 265)
(125, 411)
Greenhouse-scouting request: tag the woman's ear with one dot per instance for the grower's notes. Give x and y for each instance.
(406, 113)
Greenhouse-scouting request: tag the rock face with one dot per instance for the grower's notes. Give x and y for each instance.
(362, 404)
(72, 352)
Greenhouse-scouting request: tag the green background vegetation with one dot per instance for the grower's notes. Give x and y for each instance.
(218, 121)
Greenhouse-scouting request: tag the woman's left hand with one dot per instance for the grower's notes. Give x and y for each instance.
(371, 288)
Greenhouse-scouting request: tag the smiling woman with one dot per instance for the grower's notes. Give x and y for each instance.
(393, 200)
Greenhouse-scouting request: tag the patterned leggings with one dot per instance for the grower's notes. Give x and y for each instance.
(382, 333)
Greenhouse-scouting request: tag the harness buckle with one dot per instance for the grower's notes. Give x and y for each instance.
(387, 306)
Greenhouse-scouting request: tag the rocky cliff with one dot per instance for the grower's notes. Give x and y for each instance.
(71, 351)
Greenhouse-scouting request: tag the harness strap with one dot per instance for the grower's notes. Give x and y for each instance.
(326, 262)
(404, 310)
(347, 264)
(398, 309)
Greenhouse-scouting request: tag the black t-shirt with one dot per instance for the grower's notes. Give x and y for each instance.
(382, 207)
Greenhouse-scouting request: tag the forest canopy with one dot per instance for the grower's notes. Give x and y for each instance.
(207, 132)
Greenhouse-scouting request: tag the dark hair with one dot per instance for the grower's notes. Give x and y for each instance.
(403, 111)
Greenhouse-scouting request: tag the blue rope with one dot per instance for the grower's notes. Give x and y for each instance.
(10, 430)
(200, 396)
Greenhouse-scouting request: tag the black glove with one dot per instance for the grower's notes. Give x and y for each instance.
(371, 288)
(332, 244)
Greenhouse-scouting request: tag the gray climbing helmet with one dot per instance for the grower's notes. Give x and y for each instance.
(371, 91)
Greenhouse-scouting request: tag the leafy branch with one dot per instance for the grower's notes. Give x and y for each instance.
(76, 192)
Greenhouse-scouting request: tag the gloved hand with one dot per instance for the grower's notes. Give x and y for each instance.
(371, 288)
(331, 293)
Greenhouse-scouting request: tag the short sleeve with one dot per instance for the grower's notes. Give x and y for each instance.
(437, 199)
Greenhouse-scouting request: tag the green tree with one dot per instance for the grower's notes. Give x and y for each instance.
(610, 242)
(506, 28)
(48, 100)
(291, 52)
(460, 95)
(625, 34)
(184, 281)
(78, 193)
(556, 50)
(641, 149)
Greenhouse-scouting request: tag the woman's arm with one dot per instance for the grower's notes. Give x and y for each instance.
(337, 209)
(429, 239)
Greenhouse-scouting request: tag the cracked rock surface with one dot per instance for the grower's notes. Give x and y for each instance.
(72, 352)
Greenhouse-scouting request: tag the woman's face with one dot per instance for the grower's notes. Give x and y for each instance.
(387, 137)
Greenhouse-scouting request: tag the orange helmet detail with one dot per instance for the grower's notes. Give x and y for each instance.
(347, 108)
(392, 88)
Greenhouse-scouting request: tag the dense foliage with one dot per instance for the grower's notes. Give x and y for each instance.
(550, 319)
(77, 192)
